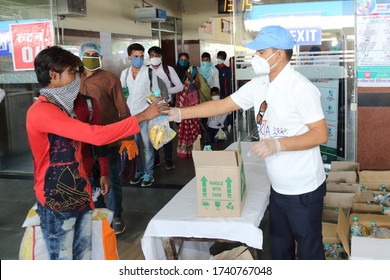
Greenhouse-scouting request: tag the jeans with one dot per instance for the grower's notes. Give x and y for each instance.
(115, 195)
(68, 235)
(145, 159)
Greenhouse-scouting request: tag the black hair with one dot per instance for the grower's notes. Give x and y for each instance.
(222, 54)
(54, 58)
(289, 54)
(155, 49)
(214, 90)
(135, 47)
(206, 55)
(183, 54)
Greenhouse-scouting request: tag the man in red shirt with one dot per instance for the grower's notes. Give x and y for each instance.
(61, 184)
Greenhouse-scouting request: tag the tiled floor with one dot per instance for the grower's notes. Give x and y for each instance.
(140, 205)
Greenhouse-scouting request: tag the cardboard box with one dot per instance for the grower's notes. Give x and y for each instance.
(373, 180)
(342, 187)
(342, 177)
(363, 247)
(220, 182)
(344, 166)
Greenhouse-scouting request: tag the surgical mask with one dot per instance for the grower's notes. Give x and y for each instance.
(184, 63)
(92, 63)
(155, 61)
(261, 66)
(215, 97)
(137, 61)
(220, 61)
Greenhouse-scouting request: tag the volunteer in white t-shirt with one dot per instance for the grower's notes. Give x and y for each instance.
(291, 127)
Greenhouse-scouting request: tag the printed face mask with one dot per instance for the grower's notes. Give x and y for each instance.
(155, 61)
(92, 63)
(64, 96)
(261, 66)
(215, 97)
(137, 61)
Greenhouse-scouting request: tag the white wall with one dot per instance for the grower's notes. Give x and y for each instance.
(117, 16)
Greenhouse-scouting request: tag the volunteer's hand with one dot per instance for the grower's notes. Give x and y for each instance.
(174, 114)
(104, 185)
(130, 147)
(266, 148)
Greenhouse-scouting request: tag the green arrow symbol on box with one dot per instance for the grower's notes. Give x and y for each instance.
(229, 187)
(204, 184)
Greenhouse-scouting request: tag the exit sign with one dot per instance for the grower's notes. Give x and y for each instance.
(227, 6)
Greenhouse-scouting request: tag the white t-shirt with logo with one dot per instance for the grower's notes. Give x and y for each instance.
(292, 102)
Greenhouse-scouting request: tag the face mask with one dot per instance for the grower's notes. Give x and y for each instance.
(260, 65)
(63, 96)
(183, 63)
(220, 61)
(215, 97)
(205, 64)
(155, 61)
(137, 61)
(92, 63)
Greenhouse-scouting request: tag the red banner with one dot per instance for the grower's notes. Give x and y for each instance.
(28, 39)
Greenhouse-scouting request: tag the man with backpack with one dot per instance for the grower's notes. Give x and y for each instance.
(140, 81)
(106, 88)
(174, 86)
(87, 110)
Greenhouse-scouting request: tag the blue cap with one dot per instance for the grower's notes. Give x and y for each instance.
(273, 36)
(88, 46)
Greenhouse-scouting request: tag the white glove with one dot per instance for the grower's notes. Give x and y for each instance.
(266, 147)
(174, 114)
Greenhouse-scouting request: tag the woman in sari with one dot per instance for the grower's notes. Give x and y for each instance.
(188, 129)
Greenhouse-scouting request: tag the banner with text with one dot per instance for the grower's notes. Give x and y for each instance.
(28, 39)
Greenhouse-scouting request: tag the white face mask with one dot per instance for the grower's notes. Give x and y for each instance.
(261, 66)
(220, 61)
(155, 61)
(215, 97)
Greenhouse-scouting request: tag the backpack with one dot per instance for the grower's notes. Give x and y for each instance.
(161, 85)
(89, 102)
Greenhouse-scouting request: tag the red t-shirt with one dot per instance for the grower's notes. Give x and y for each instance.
(60, 181)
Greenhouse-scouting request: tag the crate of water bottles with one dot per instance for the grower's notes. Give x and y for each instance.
(369, 236)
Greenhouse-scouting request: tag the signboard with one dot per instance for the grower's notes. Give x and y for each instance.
(330, 103)
(372, 43)
(5, 43)
(306, 36)
(227, 6)
(28, 39)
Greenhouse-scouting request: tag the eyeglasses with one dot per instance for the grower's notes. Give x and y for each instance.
(261, 113)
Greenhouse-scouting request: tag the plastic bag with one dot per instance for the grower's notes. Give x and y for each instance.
(160, 132)
(221, 135)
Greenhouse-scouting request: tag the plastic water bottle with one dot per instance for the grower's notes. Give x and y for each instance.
(356, 228)
(331, 251)
(207, 148)
(373, 230)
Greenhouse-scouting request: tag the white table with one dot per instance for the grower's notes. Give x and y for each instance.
(178, 218)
